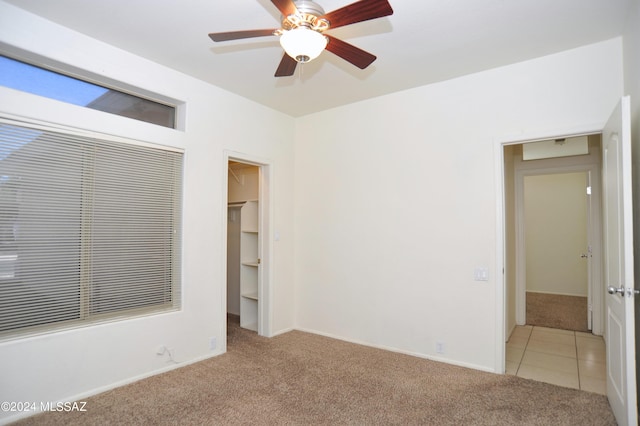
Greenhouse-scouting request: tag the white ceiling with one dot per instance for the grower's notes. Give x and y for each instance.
(424, 41)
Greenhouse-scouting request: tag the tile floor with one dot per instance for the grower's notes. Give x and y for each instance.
(561, 357)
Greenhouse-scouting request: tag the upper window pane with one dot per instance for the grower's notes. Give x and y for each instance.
(39, 81)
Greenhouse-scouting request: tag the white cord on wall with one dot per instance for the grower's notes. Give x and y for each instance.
(165, 350)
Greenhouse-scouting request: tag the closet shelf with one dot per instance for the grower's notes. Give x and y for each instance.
(252, 296)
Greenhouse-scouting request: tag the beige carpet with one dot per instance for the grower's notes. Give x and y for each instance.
(557, 311)
(303, 379)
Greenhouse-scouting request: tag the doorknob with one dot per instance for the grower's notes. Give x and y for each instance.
(613, 290)
(584, 255)
(621, 291)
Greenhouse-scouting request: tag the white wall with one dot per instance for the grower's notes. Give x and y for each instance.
(70, 364)
(632, 80)
(555, 214)
(395, 201)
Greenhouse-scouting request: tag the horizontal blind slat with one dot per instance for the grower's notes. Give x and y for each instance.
(89, 230)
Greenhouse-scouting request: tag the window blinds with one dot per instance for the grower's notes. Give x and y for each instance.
(90, 230)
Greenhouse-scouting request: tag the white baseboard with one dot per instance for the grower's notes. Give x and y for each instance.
(401, 351)
(557, 294)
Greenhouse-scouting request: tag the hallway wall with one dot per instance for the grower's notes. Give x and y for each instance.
(555, 214)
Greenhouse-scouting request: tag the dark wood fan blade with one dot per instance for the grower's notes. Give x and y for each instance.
(286, 7)
(287, 66)
(359, 11)
(236, 35)
(349, 53)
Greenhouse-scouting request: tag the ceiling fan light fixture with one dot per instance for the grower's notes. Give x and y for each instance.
(303, 44)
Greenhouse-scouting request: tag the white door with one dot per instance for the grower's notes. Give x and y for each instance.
(618, 259)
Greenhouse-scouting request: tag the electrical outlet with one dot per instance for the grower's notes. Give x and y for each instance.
(212, 343)
(439, 347)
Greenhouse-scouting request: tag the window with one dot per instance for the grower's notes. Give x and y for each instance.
(39, 81)
(90, 229)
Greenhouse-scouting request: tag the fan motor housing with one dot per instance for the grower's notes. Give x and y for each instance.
(309, 7)
(308, 15)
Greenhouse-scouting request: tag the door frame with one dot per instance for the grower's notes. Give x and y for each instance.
(501, 332)
(265, 240)
(591, 166)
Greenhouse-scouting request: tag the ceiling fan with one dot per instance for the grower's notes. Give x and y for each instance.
(302, 34)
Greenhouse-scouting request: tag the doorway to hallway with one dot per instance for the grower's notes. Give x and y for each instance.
(553, 268)
(554, 238)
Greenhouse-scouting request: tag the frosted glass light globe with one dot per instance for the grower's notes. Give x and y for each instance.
(303, 44)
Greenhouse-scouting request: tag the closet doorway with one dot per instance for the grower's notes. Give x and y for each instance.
(247, 224)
